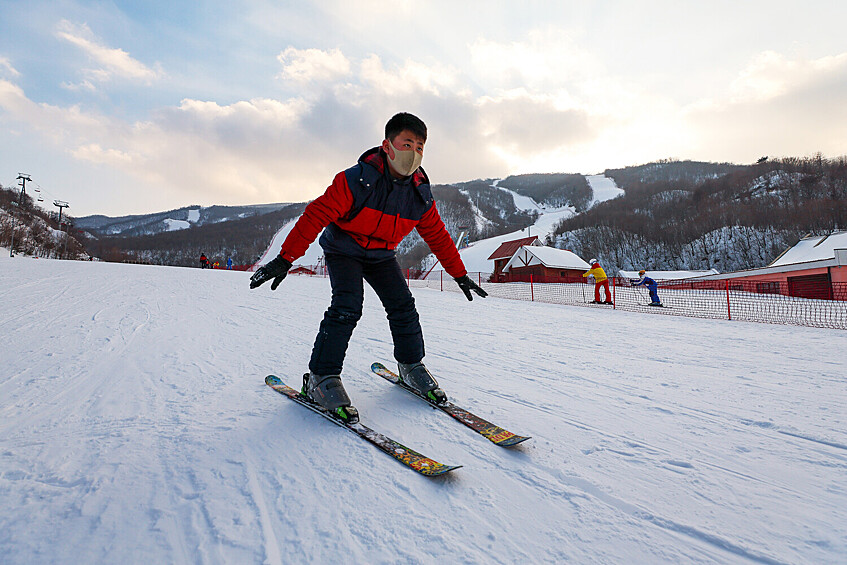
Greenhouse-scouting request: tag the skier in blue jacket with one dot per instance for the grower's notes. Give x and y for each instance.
(651, 285)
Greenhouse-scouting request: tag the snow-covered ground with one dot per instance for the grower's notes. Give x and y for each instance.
(136, 428)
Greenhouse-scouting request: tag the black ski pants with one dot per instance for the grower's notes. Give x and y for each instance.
(346, 276)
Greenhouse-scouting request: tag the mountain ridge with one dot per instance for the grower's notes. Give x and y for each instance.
(664, 215)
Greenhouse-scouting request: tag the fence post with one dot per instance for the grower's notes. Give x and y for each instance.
(728, 312)
(614, 293)
(441, 276)
(531, 289)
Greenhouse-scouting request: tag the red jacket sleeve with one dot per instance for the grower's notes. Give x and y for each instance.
(433, 232)
(327, 208)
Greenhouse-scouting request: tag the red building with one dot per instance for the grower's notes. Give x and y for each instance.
(301, 270)
(544, 265)
(816, 267)
(505, 252)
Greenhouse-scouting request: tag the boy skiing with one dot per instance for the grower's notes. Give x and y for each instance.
(367, 210)
(651, 285)
(600, 279)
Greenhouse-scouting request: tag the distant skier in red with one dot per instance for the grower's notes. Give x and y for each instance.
(367, 210)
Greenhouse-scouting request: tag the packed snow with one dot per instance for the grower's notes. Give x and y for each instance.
(136, 428)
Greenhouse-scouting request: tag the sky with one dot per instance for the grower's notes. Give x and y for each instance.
(136, 107)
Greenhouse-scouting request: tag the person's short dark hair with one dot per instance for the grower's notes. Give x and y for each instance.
(404, 120)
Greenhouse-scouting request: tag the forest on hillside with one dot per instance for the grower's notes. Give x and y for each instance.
(692, 215)
(481, 210)
(674, 215)
(27, 229)
(553, 190)
(242, 239)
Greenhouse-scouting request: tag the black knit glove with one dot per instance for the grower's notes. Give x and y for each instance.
(467, 285)
(276, 270)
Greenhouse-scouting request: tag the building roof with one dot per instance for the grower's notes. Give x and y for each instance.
(548, 257)
(667, 275)
(809, 254)
(507, 248)
(812, 248)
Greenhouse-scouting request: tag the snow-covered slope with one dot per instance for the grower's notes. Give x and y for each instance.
(476, 255)
(604, 188)
(136, 428)
(311, 257)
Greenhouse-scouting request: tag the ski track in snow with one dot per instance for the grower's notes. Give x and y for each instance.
(136, 427)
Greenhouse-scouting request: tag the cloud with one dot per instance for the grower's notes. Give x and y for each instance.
(266, 149)
(777, 105)
(113, 62)
(547, 60)
(96, 154)
(770, 75)
(412, 77)
(539, 105)
(313, 65)
(7, 65)
(85, 85)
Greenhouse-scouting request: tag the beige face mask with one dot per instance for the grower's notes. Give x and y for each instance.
(405, 162)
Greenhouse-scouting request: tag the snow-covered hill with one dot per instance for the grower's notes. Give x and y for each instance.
(172, 220)
(476, 255)
(136, 428)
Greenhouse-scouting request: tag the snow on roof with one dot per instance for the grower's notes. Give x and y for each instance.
(813, 248)
(507, 248)
(668, 275)
(547, 256)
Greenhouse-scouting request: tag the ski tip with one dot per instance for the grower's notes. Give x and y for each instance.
(512, 441)
(272, 380)
(442, 470)
(377, 366)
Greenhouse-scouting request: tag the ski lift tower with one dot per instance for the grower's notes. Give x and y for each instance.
(61, 204)
(23, 178)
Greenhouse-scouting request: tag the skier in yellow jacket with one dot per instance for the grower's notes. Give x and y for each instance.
(600, 279)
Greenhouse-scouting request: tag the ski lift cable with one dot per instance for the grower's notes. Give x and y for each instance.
(44, 192)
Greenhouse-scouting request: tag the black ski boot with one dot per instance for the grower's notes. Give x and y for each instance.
(328, 393)
(418, 378)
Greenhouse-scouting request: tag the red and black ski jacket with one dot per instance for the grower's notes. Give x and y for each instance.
(367, 212)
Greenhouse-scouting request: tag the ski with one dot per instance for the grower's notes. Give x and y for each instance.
(495, 434)
(408, 457)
